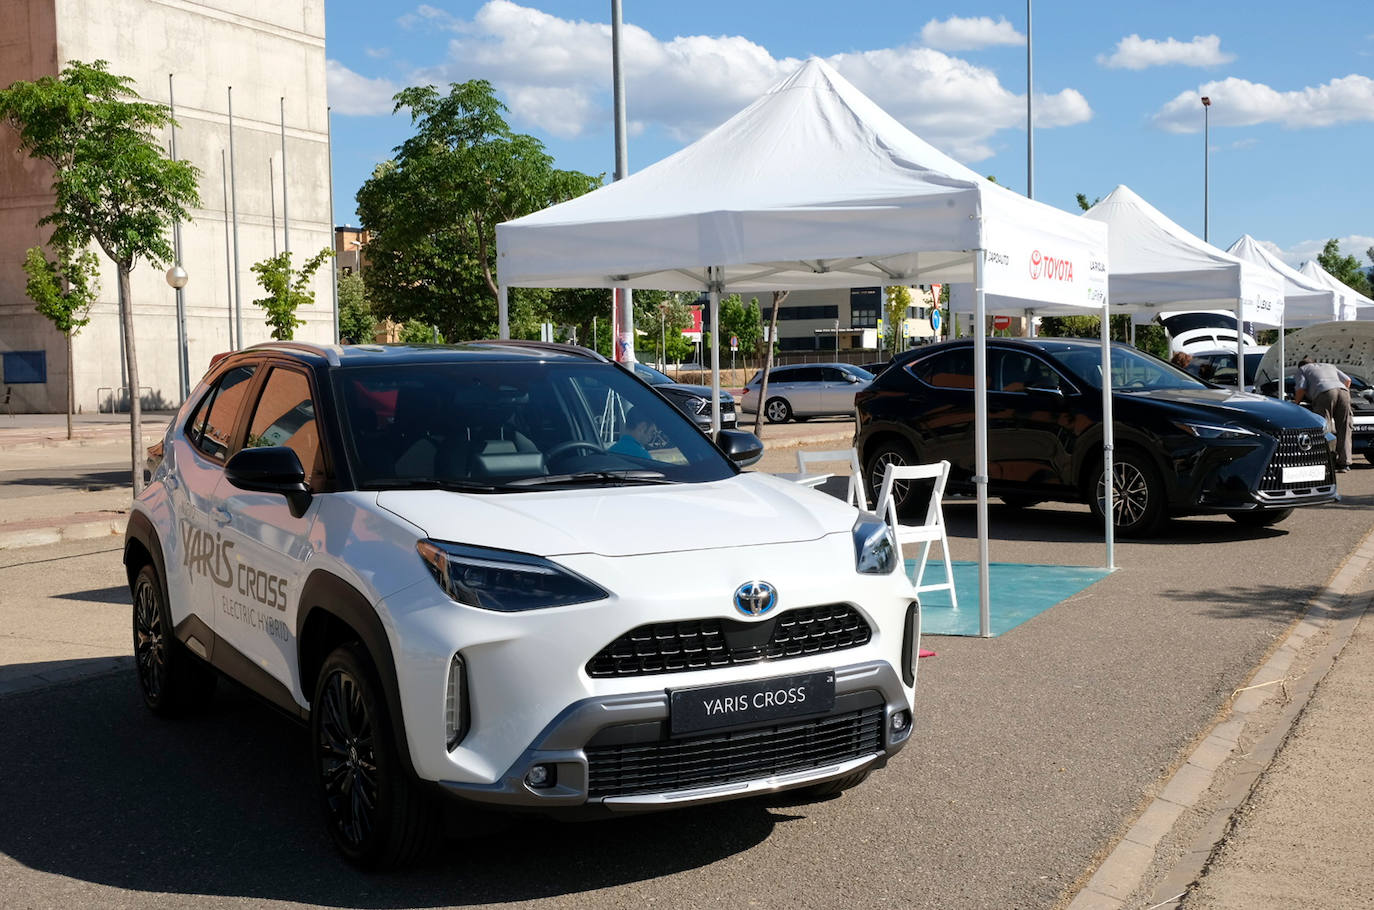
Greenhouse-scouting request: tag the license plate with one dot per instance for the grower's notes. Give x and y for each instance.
(753, 702)
(1304, 473)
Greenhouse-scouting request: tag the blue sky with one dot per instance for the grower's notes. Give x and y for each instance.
(1116, 91)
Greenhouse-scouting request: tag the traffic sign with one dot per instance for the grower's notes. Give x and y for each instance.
(734, 342)
(1001, 323)
(935, 320)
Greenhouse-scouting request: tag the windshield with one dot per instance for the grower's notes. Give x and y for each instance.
(650, 375)
(1132, 371)
(864, 375)
(501, 427)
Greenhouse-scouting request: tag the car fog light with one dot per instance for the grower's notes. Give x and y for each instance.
(541, 776)
(899, 722)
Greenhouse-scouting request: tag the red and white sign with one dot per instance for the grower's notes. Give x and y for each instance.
(1050, 268)
(693, 331)
(935, 290)
(1001, 323)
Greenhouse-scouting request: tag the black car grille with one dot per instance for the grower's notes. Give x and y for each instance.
(1291, 453)
(719, 758)
(703, 644)
(727, 407)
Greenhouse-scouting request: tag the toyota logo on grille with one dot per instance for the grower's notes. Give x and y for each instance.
(1304, 442)
(755, 598)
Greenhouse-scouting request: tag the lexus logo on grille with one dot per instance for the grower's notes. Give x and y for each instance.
(755, 598)
(1304, 442)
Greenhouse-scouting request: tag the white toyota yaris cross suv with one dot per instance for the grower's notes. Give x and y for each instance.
(512, 574)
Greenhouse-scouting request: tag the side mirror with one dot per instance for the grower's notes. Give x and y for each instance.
(271, 469)
(851, 378)
(741, 447)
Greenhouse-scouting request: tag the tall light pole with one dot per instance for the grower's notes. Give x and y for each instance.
(176, 275)
(1030, 124)
(623, 347)
(1206, 155)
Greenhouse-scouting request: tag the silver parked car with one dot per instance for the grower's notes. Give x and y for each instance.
(806, 390)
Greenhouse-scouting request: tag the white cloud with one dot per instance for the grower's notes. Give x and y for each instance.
(1236, 102)
(959, 34)
(377, 53)
(554, 75)
(1136, 53)
(352, 94)
(1351, 245)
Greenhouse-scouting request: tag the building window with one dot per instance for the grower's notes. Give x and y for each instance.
(819, 311)
(865, 305)
(26, 367)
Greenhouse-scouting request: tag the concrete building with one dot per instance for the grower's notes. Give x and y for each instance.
(272, 52)
(826, 321)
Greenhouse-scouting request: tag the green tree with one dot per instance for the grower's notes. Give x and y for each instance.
(356, 322)
(417, 332)
(433, 209)
(1345, 269)
(1083, 202)
(113, 185)
(895, 308)
(286, 290)
(662, 318)
(63, 291)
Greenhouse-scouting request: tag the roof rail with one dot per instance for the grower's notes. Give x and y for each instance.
(575, 350)
(330, 352)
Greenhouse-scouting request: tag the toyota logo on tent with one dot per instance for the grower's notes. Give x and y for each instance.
(755, 598)
(1035, 264)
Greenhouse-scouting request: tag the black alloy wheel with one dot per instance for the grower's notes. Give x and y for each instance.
(1137, 495)
(372, 806)
(170, 678)
(905, 493)
(777, 410)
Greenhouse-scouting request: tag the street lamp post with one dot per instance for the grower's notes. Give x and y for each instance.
(177, 278)
(1206, 155)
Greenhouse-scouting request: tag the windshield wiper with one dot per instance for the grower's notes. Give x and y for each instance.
(592, 478)
(432, 483)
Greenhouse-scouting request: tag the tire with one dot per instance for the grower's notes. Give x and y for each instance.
(777, 410)
(1369, 457)
(907, 495)
(1017, 501)
(837, 786)
(374, 809)
(1260, 518)
(171, 679)
(1138, 495)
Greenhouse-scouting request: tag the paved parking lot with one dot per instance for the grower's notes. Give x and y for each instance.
(1032, 753)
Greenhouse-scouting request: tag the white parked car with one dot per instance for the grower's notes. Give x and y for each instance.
(450, 564)
(803, 390)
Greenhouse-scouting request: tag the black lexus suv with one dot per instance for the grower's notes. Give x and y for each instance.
(1182, 446)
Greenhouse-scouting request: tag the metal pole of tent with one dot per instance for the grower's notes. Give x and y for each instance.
(714, 276)
(1108, 439)
(1283, 320)
(503, 315)
(1240, 347)
(980, 429)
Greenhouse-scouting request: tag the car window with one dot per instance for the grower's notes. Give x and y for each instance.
(1132, 371)
(833, 374)
(285, 416)
(1019, 371)
(951, 369)
(506, 425)
(212, 433)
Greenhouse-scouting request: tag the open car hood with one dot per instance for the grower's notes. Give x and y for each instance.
(1348, 345)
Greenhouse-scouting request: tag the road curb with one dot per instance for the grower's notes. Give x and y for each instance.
(88, 527)
(1124, 869)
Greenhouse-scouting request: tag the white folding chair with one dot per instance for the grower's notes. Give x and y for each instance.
(855, 496)
(931, 531)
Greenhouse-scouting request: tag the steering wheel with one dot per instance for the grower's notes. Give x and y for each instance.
(572, 445)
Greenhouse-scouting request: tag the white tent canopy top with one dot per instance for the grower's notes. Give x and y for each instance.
(1351, 301)
(1305, 301)
(811, 186)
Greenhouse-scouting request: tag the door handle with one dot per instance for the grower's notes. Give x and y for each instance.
(221, 515)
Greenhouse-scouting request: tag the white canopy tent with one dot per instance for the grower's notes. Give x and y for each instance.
(815, 186)
(1353, 305)
(1305, 301)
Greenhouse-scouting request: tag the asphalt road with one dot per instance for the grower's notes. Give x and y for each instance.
(1032, 751)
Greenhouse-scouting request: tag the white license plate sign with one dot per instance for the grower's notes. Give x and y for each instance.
(1304, 473)
(751, 702)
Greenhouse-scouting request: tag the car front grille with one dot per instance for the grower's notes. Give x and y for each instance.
(1291, 453)
(703, 644)
(719, 758)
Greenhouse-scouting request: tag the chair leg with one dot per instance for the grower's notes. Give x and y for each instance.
(949, 569)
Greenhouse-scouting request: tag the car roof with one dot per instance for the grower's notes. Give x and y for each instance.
(493, 350)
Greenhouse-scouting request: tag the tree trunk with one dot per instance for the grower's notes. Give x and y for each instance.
(71, 386)
(778, 297)
(126, 315)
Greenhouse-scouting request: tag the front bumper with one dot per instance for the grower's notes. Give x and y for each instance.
(1249, 475)
(579, 751)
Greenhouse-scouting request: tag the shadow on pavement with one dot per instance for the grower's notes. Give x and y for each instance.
(97, 789)
(88, 480)
(119, 594)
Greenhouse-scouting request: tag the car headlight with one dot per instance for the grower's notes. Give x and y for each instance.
(875, 547)
(503, 580)
(696, 405)
(1213, 431)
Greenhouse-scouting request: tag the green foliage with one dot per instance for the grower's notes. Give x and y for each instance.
(738, 319)
(1345, 269)
(1149, 338)
(356, 322)
(1083, 202)
(113, 185)
(63, 289)
(661, 317)
(417, 332)
(433, 209)
(286, 290)
(895, 309)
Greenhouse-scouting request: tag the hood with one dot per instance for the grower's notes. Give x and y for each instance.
(1227, 405)
(749, 509)
(700, 391)
(1348, 345)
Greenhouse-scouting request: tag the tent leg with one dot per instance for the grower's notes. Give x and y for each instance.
(1240, 349)
(1108, 438)
(1282, 355)
(714, 278)
(980, 424)
(503, 312)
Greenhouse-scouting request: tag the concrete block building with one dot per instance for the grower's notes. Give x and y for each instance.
(272, 53)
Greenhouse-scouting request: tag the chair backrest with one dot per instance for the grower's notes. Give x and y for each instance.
(855, 496)
(937, 472)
